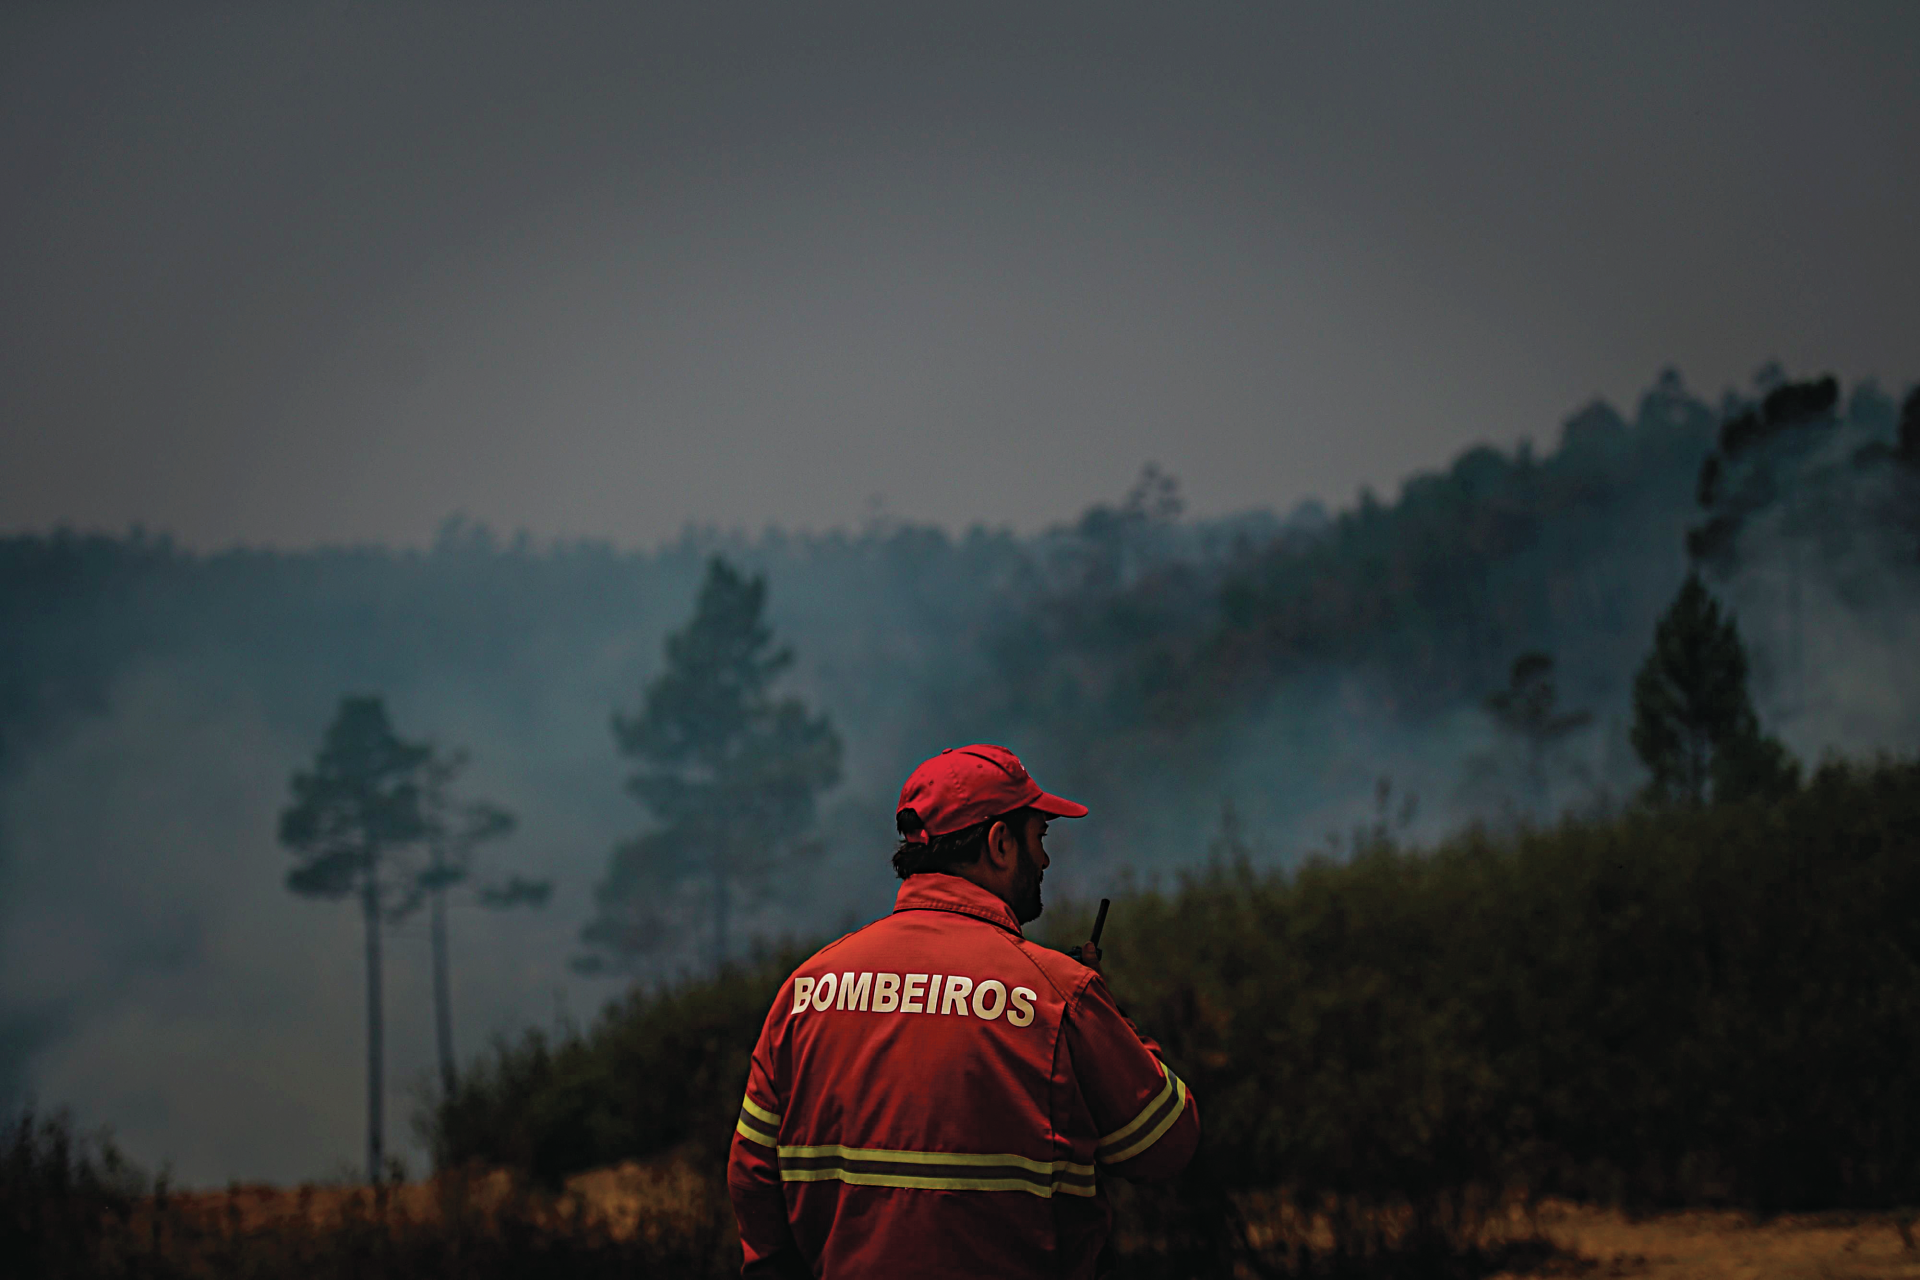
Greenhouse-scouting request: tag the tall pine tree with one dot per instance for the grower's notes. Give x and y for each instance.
(1694, 725)
(357, 805)
(728, 771)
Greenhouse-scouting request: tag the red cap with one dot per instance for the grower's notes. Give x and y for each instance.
(965, 785)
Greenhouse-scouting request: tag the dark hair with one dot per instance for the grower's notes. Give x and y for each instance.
(953, 850)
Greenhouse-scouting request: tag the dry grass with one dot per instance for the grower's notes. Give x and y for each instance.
(662, 1204)
(664, 1221)
(1730, 1246)
(1555, 1238)
(654, 1201)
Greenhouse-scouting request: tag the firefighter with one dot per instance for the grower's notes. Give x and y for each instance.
(934, 1095)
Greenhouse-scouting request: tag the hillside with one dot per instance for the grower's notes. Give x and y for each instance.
(1657, 1010)
(153, 702)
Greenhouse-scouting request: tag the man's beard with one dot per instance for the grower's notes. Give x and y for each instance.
(1025, 898)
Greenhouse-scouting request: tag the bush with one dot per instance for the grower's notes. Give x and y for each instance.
(1709, 1007)
(56, 1189)
(659, 1070)
(1686, 1007)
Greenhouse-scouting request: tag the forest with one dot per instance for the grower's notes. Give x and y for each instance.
(1484, 924)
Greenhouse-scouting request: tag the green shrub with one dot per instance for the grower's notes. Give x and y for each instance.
(1660, 1007)
(1655, 1008)
(658, 1070)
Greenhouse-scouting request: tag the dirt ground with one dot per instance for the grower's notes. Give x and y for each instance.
(1593, 1242)
(1728, 1246)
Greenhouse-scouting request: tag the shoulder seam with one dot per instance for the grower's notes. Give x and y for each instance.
(960, 909)
(1066, 998)
(842, 938)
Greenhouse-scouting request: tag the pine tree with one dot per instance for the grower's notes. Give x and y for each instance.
(729, 773)
(358, 804)
(1694, 726)
(455, 828)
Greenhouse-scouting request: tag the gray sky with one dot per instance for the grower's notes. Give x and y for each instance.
(301, 273)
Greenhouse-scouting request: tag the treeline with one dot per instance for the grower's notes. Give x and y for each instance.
(1660, 1007)
(1429, 597)
(1127, 634)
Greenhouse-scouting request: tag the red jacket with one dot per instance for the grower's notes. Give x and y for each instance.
(936, 1096)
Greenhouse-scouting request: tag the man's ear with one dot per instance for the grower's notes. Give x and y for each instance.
(1003, 847)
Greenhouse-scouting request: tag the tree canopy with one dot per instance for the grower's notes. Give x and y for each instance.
(361, 797)
(1694, 726)
(728, 771)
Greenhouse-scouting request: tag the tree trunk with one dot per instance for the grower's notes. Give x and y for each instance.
(442, 995)
(370, 907)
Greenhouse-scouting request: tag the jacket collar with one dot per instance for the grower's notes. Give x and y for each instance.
(938, 891)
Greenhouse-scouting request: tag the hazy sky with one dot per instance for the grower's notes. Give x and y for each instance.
(296, 273)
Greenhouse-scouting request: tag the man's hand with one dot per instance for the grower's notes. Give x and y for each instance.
(1089, 955)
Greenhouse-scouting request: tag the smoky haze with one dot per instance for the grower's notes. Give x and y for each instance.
(320, 273)
(891, 307)
(156, 974)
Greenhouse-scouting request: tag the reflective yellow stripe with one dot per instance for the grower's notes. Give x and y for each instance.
(932, 1184)
(934, 1170)
(757, 1124)
(754, 1135)
(1127, 1130)
(1153, 1135)
(935, 1157)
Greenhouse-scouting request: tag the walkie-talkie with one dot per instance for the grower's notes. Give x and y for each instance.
(1099, 923)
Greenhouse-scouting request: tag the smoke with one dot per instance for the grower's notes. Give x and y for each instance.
(1812, 534)
(155, 974)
